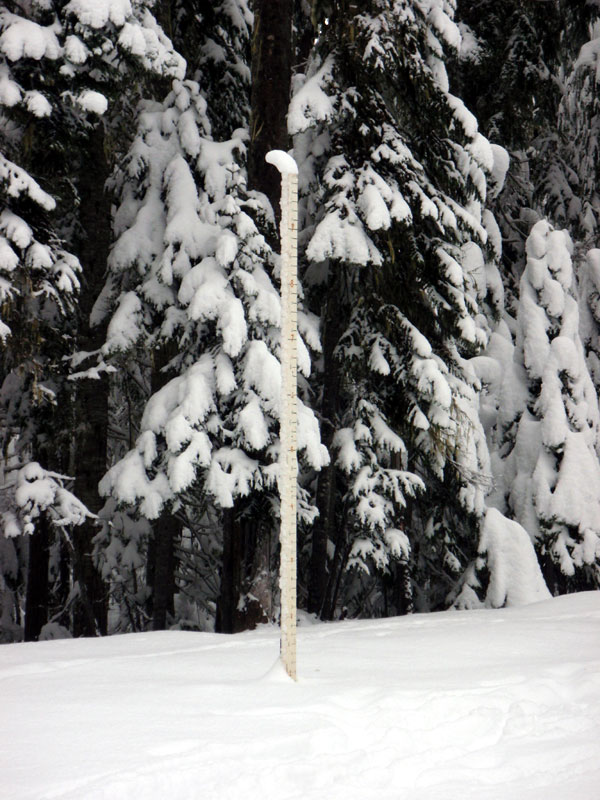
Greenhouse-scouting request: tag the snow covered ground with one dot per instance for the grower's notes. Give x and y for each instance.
(483, 705)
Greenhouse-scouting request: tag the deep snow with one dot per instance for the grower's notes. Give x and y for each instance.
(495, 704)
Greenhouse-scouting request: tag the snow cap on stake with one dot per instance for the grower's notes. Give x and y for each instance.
(282, 161)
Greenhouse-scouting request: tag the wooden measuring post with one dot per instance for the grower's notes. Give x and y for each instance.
(288, 459)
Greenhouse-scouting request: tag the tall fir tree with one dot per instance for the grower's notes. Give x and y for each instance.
(545, 429)
(539, 409)
(61, 64)
(191, 268)
(394, 176)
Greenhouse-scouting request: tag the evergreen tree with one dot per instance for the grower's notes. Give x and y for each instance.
(193, 271)
(540, 410)
(393, 175)
(61, 62)
(168, 368)
(546, 431)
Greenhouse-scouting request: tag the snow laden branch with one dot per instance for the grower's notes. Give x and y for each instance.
(206, 282)
(83, 41)
(32, 491)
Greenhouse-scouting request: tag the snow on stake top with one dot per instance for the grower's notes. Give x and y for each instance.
(288, 459)
(282, 161)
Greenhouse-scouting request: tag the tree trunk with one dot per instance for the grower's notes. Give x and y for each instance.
(318, 570)
(37, 592)
(245, 596)
(270, 95)
(90, 609)
(160, 565)
(91, 403)
(324, 526)
(231, 568)
(166, 530)
(304, 35)
(336, 568)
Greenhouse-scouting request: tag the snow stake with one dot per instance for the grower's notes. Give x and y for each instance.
(288, 459)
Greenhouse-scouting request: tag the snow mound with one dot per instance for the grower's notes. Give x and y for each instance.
(515, 575)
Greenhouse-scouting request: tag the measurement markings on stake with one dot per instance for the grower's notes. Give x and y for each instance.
(288, 460)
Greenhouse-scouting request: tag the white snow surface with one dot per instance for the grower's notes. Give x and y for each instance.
(495, 704)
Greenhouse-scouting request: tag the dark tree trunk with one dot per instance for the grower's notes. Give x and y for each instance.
(259, 609)
(324, 526)
(231, 569)
(91, 405)
(37, 592)
(160, 568)
(318, 569)
(166, 531)
(270, 95)
(90, 608)
(402, 590)
(304, 35)
(337, 567)
(245, 598)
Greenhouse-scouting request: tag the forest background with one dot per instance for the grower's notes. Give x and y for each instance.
(449, 313)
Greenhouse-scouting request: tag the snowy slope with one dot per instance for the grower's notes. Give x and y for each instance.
(494, 704)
